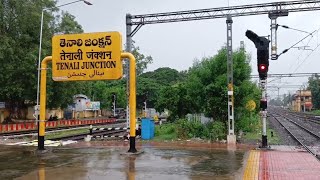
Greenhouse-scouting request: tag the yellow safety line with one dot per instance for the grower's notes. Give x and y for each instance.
(252, 168)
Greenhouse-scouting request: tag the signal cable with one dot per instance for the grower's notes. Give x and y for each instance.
(287, 27)
(286, 50)
(306, 57)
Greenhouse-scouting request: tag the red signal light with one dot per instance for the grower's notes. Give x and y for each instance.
(263, 68)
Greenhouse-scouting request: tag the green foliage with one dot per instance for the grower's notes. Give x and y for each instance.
(248, 123)
(314, 86)
(287, 99)
(60, 94)
(217, 130)
(147, 90)
(164, 76)
(205, 88)
(176, 99)
(256, 136)
(201, 89)
(209, 80)
(191, 128)
(19, 37)
(316, 112)
(166, 132)
(142, 61)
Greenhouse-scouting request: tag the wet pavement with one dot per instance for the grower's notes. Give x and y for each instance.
(157, 163)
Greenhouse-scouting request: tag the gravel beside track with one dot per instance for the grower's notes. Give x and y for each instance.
(285, 137)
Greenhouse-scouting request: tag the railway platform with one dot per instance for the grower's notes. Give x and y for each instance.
(281, 163)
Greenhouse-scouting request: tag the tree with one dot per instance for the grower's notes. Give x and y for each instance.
(142, 61)
(314, 86)
(150, 83)
(19, 37)
(147, 90)
(60, 94)
(164, 76)
(287, 99)
(208, 83)
(276, 102)
(175, 99)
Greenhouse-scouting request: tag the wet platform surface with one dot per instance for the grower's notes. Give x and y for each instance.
(157, 163)
(281, 164)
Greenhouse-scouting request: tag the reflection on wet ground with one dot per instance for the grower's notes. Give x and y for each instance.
(108, 163)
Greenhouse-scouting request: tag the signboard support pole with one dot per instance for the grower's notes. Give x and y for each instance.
(43, 91)
(231, 138)
(128, 49)
(132, 100)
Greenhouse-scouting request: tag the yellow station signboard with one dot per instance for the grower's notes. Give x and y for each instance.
(88, 56)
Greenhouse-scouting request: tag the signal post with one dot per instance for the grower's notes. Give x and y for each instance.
(262, 45)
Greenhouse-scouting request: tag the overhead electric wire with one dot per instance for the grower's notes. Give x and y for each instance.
(286, 50)
(287, 27)
(306, 58)
(300, 54)
(302, 51)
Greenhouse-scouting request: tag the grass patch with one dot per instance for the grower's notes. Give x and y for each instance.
(275, 140)
(316, 112)
(66, 133)
(165, 132)
(257, 136)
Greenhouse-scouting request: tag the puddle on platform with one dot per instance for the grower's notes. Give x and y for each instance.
(107, 163)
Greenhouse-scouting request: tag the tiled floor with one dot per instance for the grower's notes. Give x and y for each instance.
(281, 165)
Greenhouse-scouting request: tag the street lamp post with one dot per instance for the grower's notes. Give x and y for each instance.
(41, 144)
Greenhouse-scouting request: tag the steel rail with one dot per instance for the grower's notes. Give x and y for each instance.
(50, 130)
(294, 137)
(83, 135)
(309, 117)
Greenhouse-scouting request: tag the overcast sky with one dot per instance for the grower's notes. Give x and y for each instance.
(176, 45)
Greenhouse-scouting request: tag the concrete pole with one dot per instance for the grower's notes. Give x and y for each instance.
(145, 109)
(231, 138)
(273, 28)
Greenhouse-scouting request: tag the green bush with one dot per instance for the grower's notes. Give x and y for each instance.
(165, 129)
(217, 130)
(316, 112)
(186, 129)
(165, 132)
(191, 128)
(247, 123)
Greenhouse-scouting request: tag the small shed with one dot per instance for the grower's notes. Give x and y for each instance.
(80, 101)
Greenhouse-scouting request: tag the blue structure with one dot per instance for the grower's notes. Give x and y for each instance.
(147, 128)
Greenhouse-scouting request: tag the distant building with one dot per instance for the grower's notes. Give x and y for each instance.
(84, 107)
(302, 101)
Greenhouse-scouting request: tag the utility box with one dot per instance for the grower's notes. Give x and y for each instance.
(147, 128)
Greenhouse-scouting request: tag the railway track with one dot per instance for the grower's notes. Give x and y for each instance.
(83, 135)
(309, 140)
(51, 130)
(306, 120)
(312, 118)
